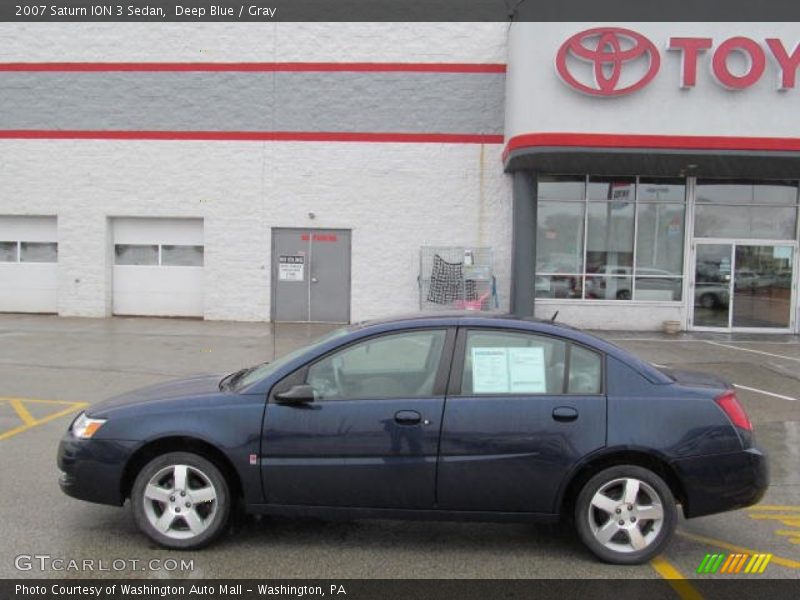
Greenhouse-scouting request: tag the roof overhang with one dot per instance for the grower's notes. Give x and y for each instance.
(656, 155)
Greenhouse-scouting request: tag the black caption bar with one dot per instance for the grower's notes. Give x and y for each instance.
(414, 589)
(397, 10)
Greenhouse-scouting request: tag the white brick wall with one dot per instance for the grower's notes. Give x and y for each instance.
(395, 197)
(254, 42)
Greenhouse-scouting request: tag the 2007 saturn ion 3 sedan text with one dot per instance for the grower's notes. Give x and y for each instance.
(440, 417)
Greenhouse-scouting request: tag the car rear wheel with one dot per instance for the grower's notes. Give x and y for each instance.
(625, 514)
(181, 500)
(708, 301)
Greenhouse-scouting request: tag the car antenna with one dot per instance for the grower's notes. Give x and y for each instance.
(553, 318)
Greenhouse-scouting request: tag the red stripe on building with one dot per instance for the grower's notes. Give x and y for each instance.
(255, 136)
(363, 67)
(650, 142)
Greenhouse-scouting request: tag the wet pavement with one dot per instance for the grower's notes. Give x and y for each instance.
(65, 363)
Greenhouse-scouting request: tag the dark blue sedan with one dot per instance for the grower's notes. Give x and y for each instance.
(438, 417)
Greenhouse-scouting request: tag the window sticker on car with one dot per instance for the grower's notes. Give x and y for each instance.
(526, 372)
(508, 370)
(490, 370)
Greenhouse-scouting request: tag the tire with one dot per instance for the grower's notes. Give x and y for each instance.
(624, 295)
(709, 301)
(599, 528)
(181, 521)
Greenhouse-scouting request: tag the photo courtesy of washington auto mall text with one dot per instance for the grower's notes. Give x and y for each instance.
(174, 590)
(399, 299)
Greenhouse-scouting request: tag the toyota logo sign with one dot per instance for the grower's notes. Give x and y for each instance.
(608, 50)
(611, 61)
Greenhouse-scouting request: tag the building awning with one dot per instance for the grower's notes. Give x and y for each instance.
(657, 155)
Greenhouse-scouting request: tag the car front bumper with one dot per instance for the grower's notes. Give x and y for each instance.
(92, 470)
(722, 482)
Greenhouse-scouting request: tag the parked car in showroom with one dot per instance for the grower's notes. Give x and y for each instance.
(463, 417)
(615, 283)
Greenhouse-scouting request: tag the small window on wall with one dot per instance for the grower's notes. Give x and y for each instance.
(29, 252)
(158, 255)
(38, 252)
(610, 238)
(182, 256)
(9, 252)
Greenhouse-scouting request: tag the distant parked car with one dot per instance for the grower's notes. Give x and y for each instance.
(711, 295)
(461, 417)
(615, 283)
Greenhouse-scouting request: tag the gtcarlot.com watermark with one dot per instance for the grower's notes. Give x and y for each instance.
(46, 562)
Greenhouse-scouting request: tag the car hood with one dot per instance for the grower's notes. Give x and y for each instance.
(198, 385)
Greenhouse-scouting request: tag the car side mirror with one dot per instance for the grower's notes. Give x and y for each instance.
(297, 394)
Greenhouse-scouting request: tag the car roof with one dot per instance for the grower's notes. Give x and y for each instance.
(450, 314)
(510, 321)
(473, 317)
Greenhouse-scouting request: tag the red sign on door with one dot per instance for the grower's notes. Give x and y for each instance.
(319, 237)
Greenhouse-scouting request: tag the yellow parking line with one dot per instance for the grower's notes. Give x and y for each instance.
(778, 560)
(758, 507)
(29, 422)
(675, 578)
(38, 400)
(22, 412)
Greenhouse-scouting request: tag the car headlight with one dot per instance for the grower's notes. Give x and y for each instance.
(84, 427)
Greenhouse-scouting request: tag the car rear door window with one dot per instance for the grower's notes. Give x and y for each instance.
(585, 371)
(498, 362)
(400, 365)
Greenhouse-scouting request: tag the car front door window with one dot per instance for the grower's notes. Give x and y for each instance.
(400, 365)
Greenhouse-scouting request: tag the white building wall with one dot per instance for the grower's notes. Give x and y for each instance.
(394, 196)
(626, 316)
(254, 42)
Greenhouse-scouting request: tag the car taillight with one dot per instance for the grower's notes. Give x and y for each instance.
(735, 411)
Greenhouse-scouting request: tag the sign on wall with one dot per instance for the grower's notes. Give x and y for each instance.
(596, 85)
(594, 61)
(291, 268)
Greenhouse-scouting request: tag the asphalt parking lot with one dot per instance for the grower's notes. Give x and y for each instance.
(52, 367)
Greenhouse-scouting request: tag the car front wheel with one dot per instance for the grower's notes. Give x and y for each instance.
(181, 500)
(625, 514)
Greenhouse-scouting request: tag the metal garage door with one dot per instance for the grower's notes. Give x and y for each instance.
(158, 267)
(28, 264)
(311, 275)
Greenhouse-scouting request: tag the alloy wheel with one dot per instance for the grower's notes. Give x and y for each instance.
(626, 515)
(180, 501)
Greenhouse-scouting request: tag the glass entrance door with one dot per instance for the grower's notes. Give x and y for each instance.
(762, 286)
(712, 285)
(743, 286)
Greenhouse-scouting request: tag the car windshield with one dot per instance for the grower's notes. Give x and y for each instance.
(258, 372)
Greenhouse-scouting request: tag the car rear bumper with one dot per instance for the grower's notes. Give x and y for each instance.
(92, 469)
(721, 482)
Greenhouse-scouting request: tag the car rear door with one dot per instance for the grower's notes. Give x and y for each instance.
(522, 409)
(370, 437)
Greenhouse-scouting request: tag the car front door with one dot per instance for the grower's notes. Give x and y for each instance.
(522, 409)
(370, 437)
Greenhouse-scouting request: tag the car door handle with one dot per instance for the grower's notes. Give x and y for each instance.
(407, 417)
(565, 413)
